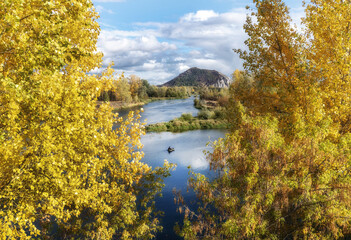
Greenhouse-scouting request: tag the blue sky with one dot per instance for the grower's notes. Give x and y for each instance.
(158, 39)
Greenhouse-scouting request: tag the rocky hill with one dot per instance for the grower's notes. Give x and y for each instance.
(200, 77)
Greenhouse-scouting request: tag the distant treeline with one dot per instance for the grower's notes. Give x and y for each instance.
(134, 89)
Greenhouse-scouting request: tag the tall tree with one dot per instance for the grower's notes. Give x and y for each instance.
(135, 84)
(64, 171)
(283, 171)
(283, 85)
(329, 27)
(122, 90)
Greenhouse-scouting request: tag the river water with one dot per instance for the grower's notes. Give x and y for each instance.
(189, 151)
(164, 110)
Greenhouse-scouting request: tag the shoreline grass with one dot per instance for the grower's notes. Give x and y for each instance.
(187, 123)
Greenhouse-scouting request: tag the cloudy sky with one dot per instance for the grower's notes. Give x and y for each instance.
(158, 39)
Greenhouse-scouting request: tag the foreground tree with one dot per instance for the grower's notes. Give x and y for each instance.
(64, 171)
(283, 171)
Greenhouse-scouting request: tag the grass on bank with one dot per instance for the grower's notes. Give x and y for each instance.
(205, 119)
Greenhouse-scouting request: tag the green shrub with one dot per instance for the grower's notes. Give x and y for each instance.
(184, 124)
(219, 113)
(186, 117)
(205, 114)
(197, 103)
(158, 127)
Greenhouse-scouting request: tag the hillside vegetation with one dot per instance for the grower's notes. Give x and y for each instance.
(200, 78)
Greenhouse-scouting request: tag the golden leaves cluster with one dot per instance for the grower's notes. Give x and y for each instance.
(67, 167)
(284, 168)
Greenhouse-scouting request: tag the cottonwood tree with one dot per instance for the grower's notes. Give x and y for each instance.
(64, 171)
(135, 84)
(284, 168)
(329, 28)
(122, 90)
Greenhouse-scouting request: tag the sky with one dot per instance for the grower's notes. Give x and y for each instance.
(159, 39)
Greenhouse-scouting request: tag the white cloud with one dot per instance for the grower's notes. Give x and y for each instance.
(297, 14)
(100, 9)
(144, 45)
(133, 50)
(199, 16)
(182, 67)
(160, 51)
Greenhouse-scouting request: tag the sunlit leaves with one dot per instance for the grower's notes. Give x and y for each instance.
(67, 167)
(329, 24)
(284, 169)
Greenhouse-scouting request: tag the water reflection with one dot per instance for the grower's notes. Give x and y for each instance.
(189, 147)
(164, 110)
(189, 150)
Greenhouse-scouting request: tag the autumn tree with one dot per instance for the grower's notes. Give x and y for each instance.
(135, 84)
(122, 90)
(329, 28)
(283, 170)
(64, 171)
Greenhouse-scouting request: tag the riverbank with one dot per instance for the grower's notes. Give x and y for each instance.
(186, 123)
(120, 105)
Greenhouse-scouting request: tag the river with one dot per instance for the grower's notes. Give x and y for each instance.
(189, 151)
(164, 110)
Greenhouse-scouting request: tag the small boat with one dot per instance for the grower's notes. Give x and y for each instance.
(170, 149)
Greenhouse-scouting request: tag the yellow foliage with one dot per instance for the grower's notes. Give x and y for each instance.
(135, 84)
(65, 163)
(303, 78)
(329, 24)
(284, 168)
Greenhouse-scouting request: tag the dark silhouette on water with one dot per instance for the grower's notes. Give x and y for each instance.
(170, 149)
